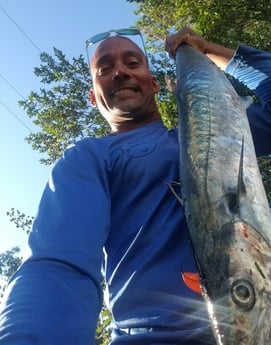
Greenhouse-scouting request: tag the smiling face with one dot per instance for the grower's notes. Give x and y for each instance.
(123, 88)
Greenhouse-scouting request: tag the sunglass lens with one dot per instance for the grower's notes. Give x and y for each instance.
(128, 32)
(99, 37)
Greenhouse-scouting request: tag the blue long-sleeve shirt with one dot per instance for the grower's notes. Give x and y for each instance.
(252, 67)
(107, 203)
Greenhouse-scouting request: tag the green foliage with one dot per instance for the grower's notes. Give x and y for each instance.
(61, 110)
(103, 331)
(21, 220)
(265, 169)
(161, 66)
(9, 263)
(228, 22)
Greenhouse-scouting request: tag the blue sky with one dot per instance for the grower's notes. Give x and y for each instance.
(52, 23)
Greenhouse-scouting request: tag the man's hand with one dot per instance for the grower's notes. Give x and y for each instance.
(217, 53)
(185, 36)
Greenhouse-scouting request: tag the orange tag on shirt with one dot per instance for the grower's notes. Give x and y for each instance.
(192, 281)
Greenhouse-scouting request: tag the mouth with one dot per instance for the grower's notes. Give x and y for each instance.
(125, 91)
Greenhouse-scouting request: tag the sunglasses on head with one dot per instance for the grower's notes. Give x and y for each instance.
(119, 32)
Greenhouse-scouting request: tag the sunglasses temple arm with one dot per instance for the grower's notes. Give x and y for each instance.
(88, 59)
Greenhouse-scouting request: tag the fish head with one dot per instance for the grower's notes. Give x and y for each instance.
(240, 305)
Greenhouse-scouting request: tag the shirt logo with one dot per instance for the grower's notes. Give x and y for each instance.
(138, 149)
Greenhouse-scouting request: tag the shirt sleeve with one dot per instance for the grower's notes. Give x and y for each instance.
(252, 67)
(55, 297)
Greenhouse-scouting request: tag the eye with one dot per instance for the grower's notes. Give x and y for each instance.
(104, 69)
(132, 62)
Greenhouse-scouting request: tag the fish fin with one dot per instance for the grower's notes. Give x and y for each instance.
(234, 197)
(241, 188)
(192, 281)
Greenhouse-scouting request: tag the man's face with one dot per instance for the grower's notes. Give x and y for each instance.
(123, 87)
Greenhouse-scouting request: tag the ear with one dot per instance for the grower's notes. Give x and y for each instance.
(92, 97)
(155, 85)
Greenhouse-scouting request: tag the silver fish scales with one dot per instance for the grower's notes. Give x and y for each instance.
(226, 208)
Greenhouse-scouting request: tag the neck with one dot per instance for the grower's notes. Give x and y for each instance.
(130, 124)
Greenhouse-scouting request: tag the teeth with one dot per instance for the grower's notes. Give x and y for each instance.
(123, 91)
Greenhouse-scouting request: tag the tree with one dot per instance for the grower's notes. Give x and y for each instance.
(265, 169)
(228, 22)
(20, 219)
(61, 110)
(9, 263)
(103, 331)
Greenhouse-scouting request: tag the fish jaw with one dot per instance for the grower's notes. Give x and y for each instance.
(238, 298)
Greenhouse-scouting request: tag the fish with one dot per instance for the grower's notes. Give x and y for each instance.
(226, 208)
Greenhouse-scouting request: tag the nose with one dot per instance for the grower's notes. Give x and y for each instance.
(120, 72)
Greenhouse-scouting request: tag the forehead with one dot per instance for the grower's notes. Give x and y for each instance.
(113, 46)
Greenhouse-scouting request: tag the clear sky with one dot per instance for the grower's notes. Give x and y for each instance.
(27, 27)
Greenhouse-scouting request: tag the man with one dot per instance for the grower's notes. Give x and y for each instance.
(126, 100)
(111, 194)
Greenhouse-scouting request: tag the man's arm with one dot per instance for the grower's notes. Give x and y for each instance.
(55, 297)
(252, 67)
(249, 65)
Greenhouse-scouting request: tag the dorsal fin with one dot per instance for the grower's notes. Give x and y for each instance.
(241, 188)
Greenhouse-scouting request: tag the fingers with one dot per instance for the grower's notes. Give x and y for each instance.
(185, 36)
(171, 46)
(172, 42)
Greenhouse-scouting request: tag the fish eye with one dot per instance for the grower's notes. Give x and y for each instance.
(243, 294)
